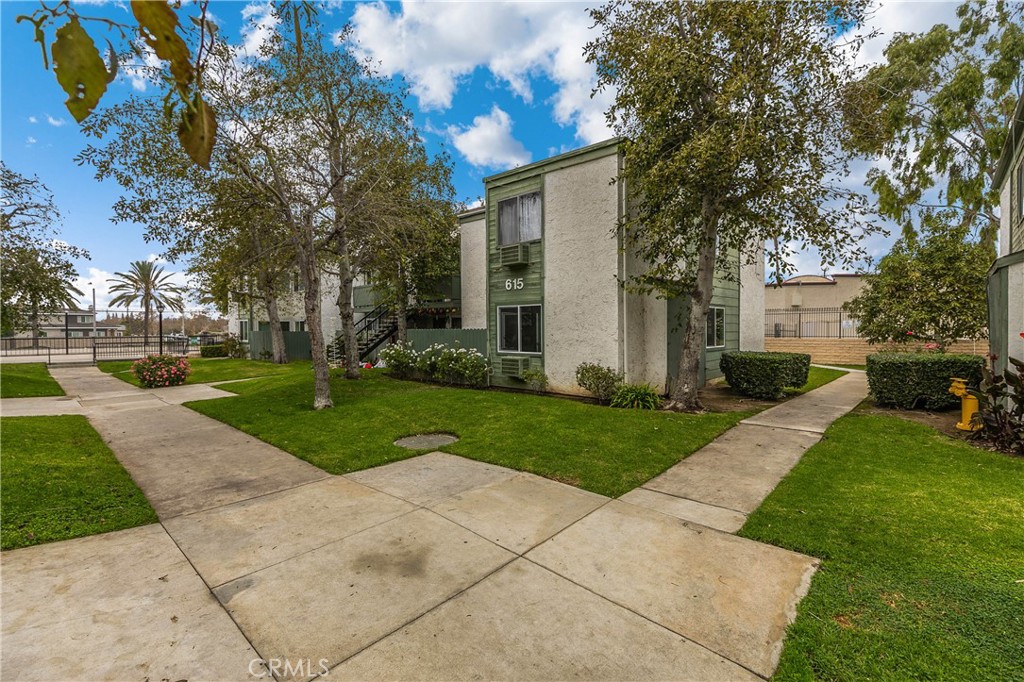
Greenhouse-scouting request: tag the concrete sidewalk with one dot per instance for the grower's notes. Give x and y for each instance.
(723, 482)
(435, 567)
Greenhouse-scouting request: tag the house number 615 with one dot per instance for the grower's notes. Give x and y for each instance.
(516, 284)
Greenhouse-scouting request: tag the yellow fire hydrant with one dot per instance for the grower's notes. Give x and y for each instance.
(968, 405)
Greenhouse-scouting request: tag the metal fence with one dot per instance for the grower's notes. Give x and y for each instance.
(135, 347)
(810, 323)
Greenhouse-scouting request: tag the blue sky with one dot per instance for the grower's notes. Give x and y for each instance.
(498, 84)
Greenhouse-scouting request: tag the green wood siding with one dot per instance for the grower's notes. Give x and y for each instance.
(465, 338)
(532, 275)
(999, 315)
(725, 294)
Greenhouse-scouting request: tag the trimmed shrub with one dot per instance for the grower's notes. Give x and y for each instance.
(601, 381)
(920, 380)
(536, 379)
(157, 371)
(798, 369)
(233, 347)
(215, 350)
(764, 375)
(636, 396)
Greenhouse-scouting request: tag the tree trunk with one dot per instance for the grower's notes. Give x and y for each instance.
(402, 308)
(684, 390)
(279, 354)
(345, 307)
(310, 275)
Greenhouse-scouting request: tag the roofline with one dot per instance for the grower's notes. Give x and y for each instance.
(471, 212)
(531, 168)
(1013, 138)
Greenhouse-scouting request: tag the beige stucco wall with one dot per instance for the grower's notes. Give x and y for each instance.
(752, 299)
(473, 264)
(581, 264)
(811, 295)
(646, 334)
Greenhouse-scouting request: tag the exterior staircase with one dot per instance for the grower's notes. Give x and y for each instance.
(372, 330)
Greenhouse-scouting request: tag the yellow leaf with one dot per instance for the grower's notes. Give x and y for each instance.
(158, 24)
(197, 130)
(79, 69)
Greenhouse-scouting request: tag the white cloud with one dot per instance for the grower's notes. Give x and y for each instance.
(29, 141)
(33, 119)
(488, 141)
(56, 122)
(892, 18)
(145, 72)
(258, 27)
(438, 45)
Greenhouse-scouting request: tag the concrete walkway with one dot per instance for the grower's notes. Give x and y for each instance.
(723, 482)
(436, 567)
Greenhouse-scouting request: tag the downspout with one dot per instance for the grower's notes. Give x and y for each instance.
(621, 275)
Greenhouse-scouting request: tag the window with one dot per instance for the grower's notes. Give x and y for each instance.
(243, 330)
(297, 283)
(284, 325)
(716, 327)
(84, 319)
(300, 325)
(519, 219)
(263, 326)
(519, 329)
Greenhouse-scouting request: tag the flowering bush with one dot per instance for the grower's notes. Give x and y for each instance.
(155, 371)
(438, 362)
(400, 358)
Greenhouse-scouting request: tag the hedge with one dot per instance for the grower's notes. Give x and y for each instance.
(764, 375)
(216, 350)
(920, 380)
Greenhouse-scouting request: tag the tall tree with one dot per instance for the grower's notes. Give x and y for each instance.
(929, 288)
(732, 134)
(146, 283)
(937, 112)
(36, 272)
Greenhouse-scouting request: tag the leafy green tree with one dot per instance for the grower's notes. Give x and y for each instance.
(146, 283)
(929, 288)
(937, 111)
(36, 272)
(733, 137)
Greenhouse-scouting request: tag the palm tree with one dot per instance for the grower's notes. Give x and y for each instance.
(146, 283)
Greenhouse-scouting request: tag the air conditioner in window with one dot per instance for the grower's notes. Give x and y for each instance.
(514, 367)
(516, 254)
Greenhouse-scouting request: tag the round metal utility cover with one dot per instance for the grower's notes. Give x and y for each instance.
(426, 440)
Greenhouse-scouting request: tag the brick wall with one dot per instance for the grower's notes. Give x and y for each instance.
(852, 351)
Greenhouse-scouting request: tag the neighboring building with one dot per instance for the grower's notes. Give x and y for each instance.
(541, 269)
(813, 291)
(1006, 277)
(243, 317)
(72, 323)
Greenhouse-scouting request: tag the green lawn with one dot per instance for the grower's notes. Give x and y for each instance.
(27, 380)
(605, 450)
(208, 370)
(923, 555)
(60, 481)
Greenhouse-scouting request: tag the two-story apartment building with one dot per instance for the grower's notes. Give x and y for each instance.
(542, 267)
(73, 323)
(1006, 277)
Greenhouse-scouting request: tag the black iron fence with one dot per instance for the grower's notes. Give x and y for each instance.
(810, 323)
(135, 347)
